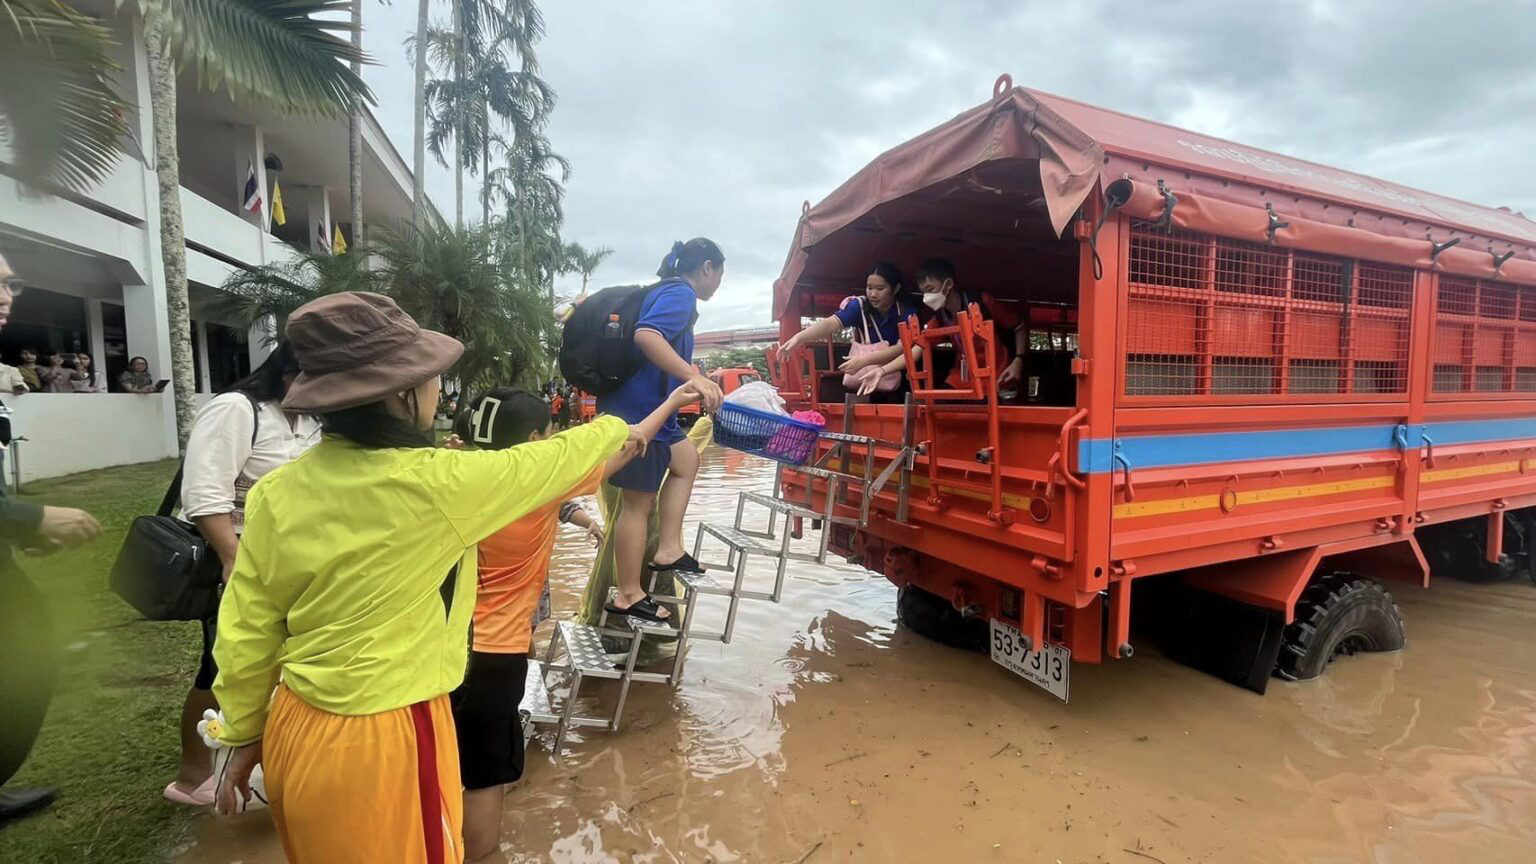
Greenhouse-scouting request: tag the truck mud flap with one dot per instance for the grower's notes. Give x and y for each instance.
(1233, 641)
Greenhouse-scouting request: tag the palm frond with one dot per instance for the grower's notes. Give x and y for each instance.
(284, 53)
(58, 110)
(276, 290)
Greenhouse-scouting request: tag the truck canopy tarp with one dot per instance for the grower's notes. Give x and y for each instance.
(1075, 144)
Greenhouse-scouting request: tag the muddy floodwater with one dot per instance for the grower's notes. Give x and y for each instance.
(826, 733)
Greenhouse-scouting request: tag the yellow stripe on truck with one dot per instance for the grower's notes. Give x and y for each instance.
(1165, 506)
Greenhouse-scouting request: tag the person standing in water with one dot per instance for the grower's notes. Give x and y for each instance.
(345, 622)
(663, 477)
(514, 574)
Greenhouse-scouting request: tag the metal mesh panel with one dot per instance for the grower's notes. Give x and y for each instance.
(1315, 376)
(1151, 375)
(1385, 287)
(1449, 379)
(1490, 378)
(1481, 343)
(1212, 315)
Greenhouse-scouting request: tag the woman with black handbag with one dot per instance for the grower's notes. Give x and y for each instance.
(237, 438)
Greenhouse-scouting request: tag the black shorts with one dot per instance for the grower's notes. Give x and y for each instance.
(206, 670)
(486, 717)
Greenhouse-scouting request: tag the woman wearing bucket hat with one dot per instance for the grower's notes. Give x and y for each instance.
(346, 619)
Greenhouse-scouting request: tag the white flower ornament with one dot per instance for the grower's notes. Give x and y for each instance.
(211, 727)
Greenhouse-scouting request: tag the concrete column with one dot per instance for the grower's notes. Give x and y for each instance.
(96, 335)
(205, 385)
(259, 339)
(144, 306)
(318, 219)
(250, 152)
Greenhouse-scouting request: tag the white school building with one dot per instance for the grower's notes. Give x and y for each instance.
(91, 262)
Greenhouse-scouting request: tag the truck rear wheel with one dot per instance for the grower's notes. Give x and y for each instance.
(929, 615)
(1338, 614)
(1458, 550)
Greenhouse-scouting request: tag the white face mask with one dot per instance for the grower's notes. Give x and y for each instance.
(933, 300)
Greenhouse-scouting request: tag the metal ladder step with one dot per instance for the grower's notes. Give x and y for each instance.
(779, 505)
(703, 583)
(584, 650)
(847, 438)
(536, 706)
(736, 539)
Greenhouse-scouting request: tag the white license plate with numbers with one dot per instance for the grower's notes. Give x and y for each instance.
(1050, 669)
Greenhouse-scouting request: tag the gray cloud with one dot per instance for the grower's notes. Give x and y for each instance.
(695, 117)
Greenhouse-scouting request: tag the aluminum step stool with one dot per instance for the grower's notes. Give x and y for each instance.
(738, 546)
(576, 652)
(624, 626)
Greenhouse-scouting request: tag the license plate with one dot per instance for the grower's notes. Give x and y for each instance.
(1050, 669)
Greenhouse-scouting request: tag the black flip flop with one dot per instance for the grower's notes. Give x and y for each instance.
(685, 564)
(645, 608)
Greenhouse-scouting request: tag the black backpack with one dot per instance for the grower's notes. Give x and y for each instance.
(593, 357)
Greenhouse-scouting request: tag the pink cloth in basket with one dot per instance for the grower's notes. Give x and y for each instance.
(812, 417)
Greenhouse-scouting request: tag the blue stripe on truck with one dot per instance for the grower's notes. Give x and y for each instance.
(1097, 455)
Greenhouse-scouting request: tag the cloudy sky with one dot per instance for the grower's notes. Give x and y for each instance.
(688, 117)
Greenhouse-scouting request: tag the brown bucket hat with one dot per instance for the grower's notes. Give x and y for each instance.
(357, 347)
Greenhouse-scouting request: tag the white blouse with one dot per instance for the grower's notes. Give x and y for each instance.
(222, 463)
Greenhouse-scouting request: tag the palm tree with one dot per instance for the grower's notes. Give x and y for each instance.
(268, 51)
(535, 199)
(585, 261)
(58, 110)
(275, 290)
(419, 135)
(355, 132)
(481, 90)
(456, 281)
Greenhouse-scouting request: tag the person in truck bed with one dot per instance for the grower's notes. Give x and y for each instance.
(875, 366)
(513, 574)
(936, 280)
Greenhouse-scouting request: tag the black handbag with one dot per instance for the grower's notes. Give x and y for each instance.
(165, 569)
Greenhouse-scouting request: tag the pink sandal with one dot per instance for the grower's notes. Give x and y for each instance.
(202, 796)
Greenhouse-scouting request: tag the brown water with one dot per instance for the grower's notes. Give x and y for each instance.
(825, 733)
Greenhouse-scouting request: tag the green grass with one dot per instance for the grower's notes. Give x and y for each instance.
(110, 740)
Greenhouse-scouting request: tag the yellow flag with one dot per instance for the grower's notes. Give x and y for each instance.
(278, 216)
(339, 245)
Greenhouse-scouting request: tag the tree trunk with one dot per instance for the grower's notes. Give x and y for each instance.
(419, 146)
(458, 114)
(485, 163)
(173, 242)
(355, 134)
(522, 241)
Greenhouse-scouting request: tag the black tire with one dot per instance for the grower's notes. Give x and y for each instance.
(933, 617)
(1338, 614)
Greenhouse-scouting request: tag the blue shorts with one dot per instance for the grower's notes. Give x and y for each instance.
(644, 474)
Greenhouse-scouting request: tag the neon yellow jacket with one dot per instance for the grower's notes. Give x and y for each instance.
(341, 582)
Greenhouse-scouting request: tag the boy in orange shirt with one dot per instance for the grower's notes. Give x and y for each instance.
(514, 571)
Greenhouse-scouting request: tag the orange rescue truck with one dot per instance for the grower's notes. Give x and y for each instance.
(1271, 382)
(729, 379)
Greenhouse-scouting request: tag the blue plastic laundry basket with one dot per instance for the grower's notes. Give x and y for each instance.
(760, 433)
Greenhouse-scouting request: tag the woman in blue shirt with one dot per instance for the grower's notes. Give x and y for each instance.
(874, 319)
(664, 337)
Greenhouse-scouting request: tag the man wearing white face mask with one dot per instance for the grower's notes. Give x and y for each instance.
(936, 280)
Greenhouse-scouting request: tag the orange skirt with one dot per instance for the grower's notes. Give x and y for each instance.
(360, 790)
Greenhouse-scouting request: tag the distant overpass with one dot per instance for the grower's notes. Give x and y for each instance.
(719, 340)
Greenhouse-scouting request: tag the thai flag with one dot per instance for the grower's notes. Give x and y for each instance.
(252, 190)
